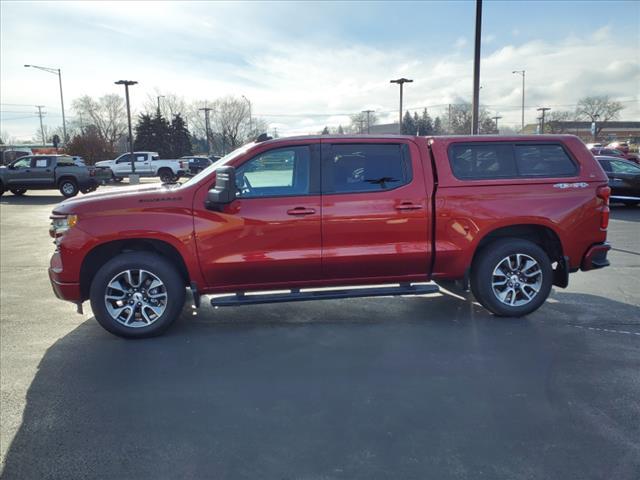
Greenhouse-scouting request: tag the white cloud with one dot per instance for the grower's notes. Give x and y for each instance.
(460, 42)
(293, 81)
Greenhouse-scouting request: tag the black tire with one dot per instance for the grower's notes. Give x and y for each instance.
(166, 175)
(168, 274)
(488, 259)
(18, 192)
(1, 189)
(116, 179)
(68, 187)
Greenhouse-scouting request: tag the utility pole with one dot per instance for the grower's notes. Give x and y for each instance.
(368, 112)
(206, 111)
(496, 118)
(521, 72)
(543, 110)
(449, 121)
(361, 126)
(127, 83)
(401, 82)
(40, 107)
(275, 132)
(159, 97)
(476, 70)
(56, 71)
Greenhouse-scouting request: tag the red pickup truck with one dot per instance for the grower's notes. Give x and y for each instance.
(506, 216)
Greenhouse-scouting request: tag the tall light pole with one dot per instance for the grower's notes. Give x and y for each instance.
(44, 141)
(476, 70)
(521, 72)
(250, 121)
(401, 82)
(543, 110)
(159, 97)
(126, 84)
(56, 71)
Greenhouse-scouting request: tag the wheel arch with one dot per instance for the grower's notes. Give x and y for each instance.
(67, 177)
(542, 235)
(101, 253)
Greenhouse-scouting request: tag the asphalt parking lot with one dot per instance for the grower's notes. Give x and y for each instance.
(424, 387)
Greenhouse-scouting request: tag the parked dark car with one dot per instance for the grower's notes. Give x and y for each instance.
(197, 164)
(38, 172)
(624, 179)
(612, 152)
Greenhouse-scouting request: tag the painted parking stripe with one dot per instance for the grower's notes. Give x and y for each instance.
(608, 330)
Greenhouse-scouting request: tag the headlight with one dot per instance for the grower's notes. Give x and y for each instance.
(61, 223)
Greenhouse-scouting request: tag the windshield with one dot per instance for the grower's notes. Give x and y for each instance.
(219, 163)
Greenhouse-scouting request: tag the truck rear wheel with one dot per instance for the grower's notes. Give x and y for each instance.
(137, 295)
(18, 192)
(166, 175)
(511, 277)
(68, 188)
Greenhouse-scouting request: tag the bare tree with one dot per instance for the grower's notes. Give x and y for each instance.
(170, 104)
(599, 109)
(556, 121)
(108, 114)
(231, 119)
(359, 122)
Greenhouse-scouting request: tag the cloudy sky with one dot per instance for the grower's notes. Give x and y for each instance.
(305, 65)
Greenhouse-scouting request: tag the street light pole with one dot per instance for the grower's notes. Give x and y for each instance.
(126, 84)
(521, 72)
(401, 82)
(476, 70)
(56, 71)
(206, 111)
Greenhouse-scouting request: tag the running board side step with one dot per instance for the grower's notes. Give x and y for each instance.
(296, 295)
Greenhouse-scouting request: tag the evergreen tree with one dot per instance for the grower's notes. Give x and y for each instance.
(325, 131)
(145, 134)
(408, 124)
(179, 138)
(425, 124)
(162, 135)
(437, 127)
(340, 130)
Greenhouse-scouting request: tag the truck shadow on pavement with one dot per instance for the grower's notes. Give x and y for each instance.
(363, 388)
(31, 200)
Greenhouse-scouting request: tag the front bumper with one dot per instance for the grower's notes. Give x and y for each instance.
(69, 291)
(596, 257)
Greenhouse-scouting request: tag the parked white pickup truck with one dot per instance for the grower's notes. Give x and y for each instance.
(147, 164)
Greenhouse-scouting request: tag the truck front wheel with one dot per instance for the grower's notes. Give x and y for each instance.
(137, 295)
(18, 192)
(68, 188)
(166, 175)
(511, 277)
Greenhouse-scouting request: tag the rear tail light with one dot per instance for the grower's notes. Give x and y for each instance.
(603, 193)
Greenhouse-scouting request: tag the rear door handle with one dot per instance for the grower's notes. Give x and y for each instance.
(301, 211)
(408, 206)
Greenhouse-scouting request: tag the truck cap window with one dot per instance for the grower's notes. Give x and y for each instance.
(482, 161)
(509, 160)
(366, 168)
(543, 161)
(279, 172)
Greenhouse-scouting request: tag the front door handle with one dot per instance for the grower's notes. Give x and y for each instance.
(301, 211)
(408, 206)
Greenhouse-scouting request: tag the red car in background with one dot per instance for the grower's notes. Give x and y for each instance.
(608, 151)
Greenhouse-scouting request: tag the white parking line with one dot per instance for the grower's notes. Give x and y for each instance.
(608, 330)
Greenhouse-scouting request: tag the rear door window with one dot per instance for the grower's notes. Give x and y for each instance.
(350, 168)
